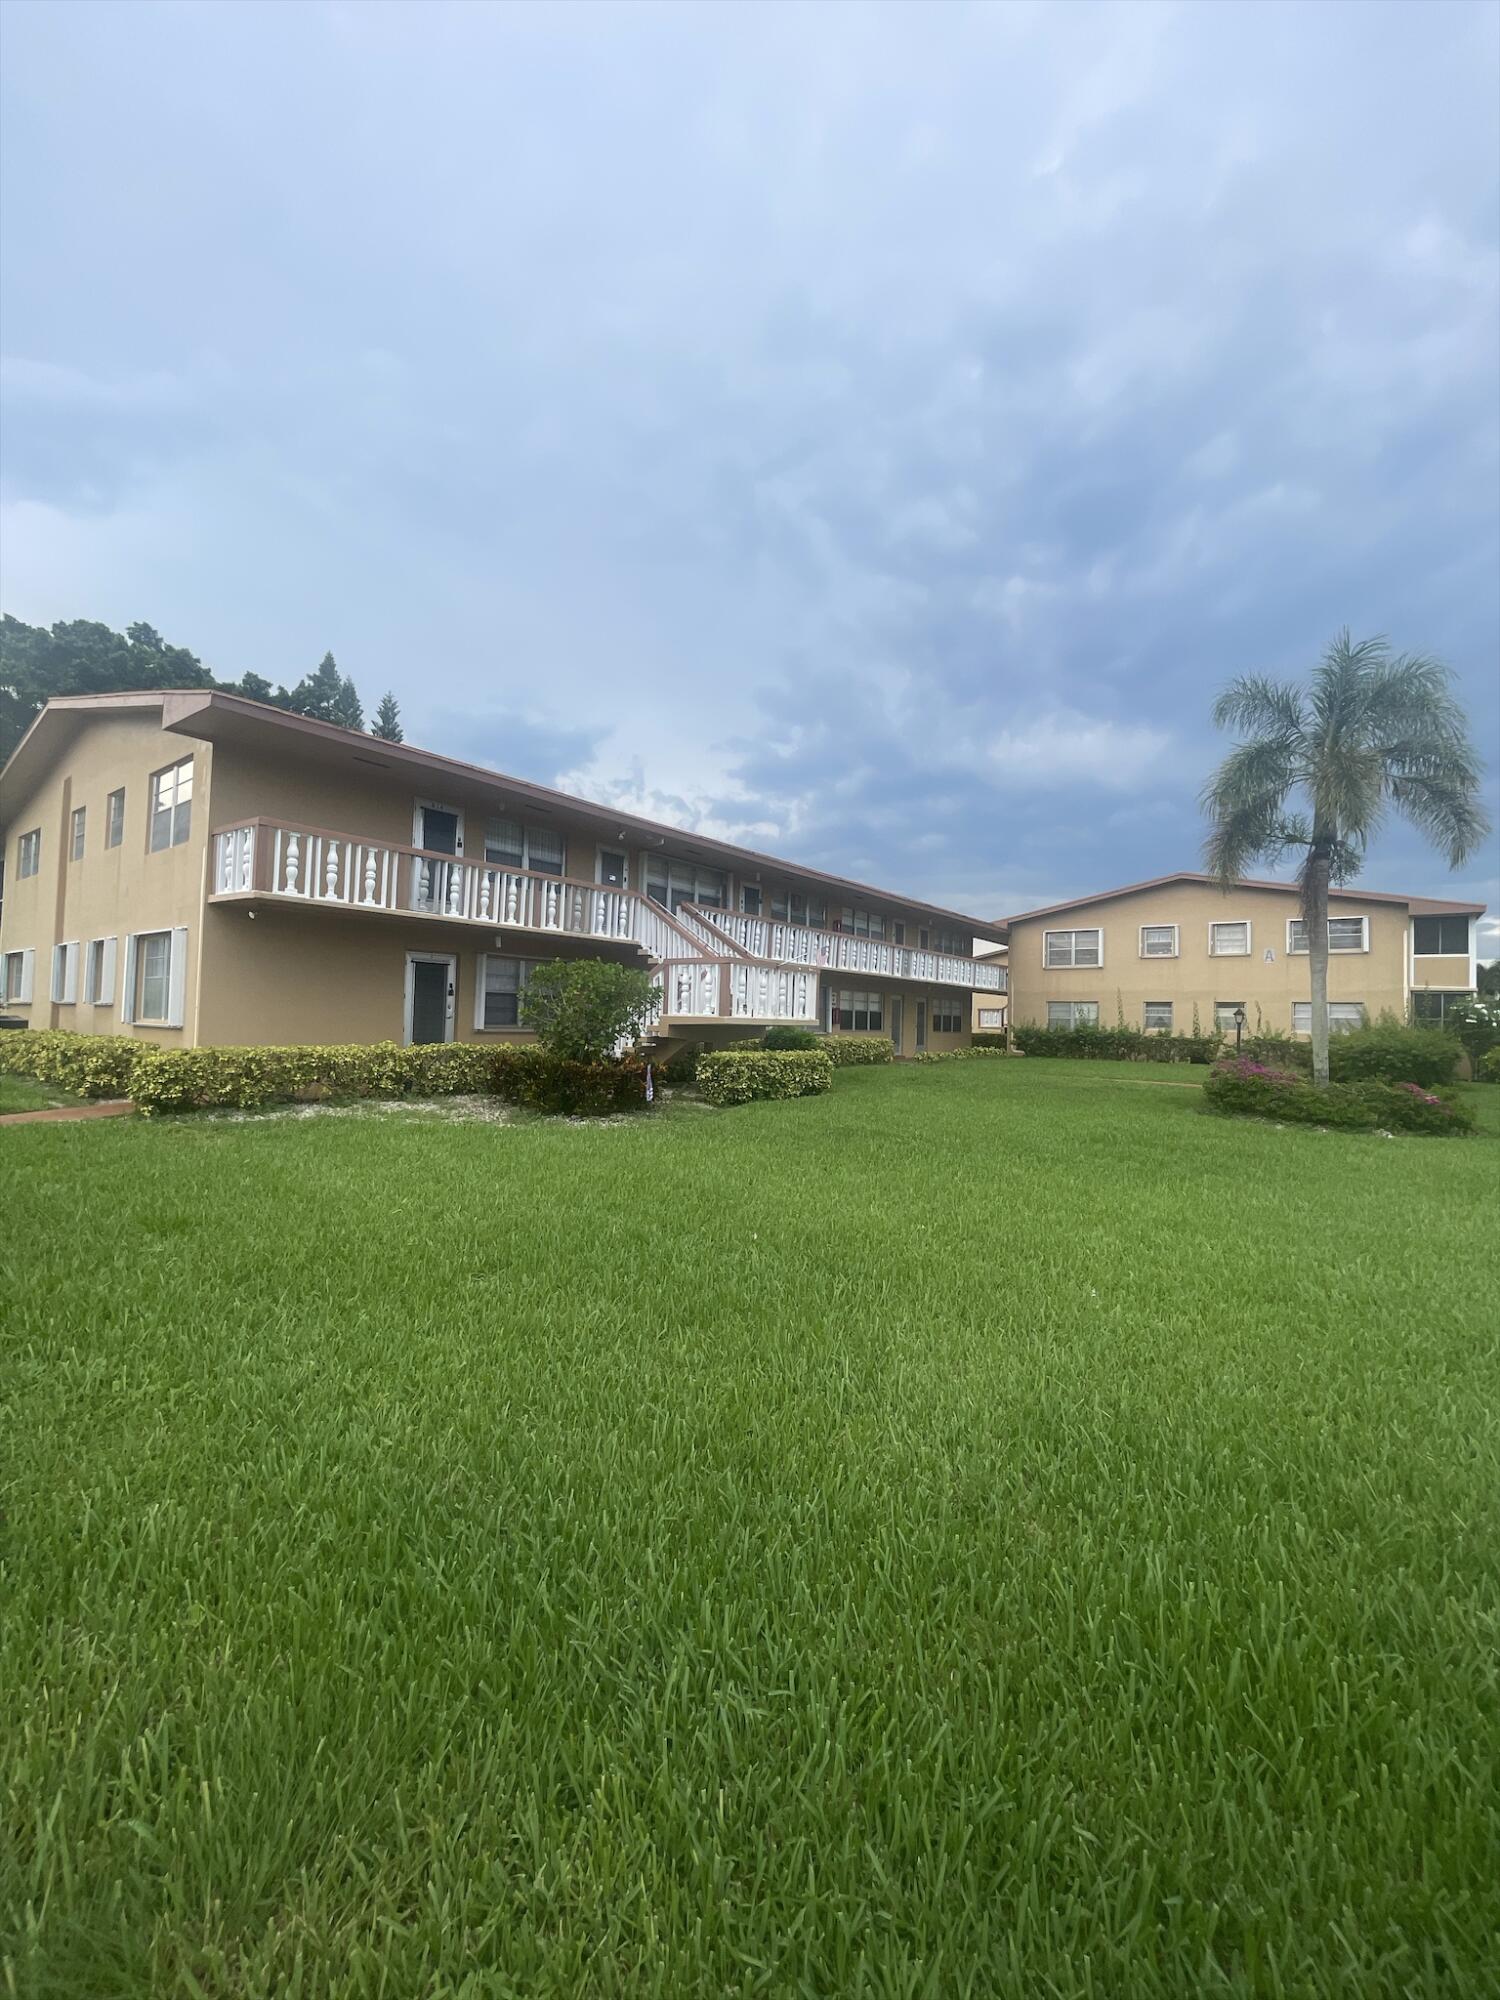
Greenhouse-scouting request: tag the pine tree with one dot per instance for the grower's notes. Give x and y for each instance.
(347, 710)
(319, 695)
(387, 723)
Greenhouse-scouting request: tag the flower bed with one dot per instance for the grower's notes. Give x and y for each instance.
(1242, 1087)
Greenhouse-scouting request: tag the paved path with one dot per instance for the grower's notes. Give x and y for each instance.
(106, 1107)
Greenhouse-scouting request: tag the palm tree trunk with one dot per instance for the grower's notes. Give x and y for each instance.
(1315, 914)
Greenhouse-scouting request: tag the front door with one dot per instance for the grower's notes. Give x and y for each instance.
(439, 829)
(430, 984)
(921, 1024)
(611, 868)
(896, 1021)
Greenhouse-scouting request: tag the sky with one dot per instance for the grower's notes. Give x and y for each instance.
(870, 434)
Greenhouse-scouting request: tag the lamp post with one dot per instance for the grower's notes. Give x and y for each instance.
(1239, 1027)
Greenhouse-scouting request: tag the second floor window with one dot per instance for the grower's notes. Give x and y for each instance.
(75, 846)
(863, 923)
(951, 942)
(1229, 940)
(1062, 948)
(1344, 934)
(29, 853)
(114, 818)
(808, 911)
(1158, 940)
(670, 883)
(1440, 937)
(171, 805)
(508, 844)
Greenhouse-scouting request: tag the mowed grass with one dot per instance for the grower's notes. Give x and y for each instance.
(993, 1530)
(24, 1093)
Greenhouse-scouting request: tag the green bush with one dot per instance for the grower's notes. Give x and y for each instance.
(584, 1009)
(88, 1065)
(1249, 1089)
(579, 1089)
(1489, 1066)
(1475, 1021)
(972, 1053)
(990, 1041)
(1114, 1044)
(736, 1076)
(845, 1051)
(245, 1078)
(1383, 1052)
(785, 1036)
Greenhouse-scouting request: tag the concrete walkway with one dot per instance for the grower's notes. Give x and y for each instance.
(105, 1107)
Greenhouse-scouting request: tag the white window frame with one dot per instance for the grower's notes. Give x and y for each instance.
(1167, 1027)
(1232, 923)
(1295, 950)
(114, 817)
(1072, 1007)
(991, 1017)
(77, 832)
(29, 855)
(1228, 1008)
(177, 953)
(18, 991)
(173, 771)
(599, 853)
(1338, 1010)
(1141, 951)
(65, 974)
(420, 806)
(1439, 918)
(481, 974)
(858, 995)
(99, 972)
(448, 958)
(1050, 964)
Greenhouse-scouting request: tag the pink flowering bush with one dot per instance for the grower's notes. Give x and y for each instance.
(1243, 1087)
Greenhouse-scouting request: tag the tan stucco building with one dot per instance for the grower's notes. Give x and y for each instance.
(1179, 949)
(195, 868)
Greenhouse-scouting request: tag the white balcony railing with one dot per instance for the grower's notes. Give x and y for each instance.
(842, 951)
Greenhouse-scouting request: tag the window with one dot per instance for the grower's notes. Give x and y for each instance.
(750, 898)
(508, 844)
(114, 818)
(671, 883)
(947, 1014)
(955, 945)
(1072, 947)
(171, 806)
(1440, 937)
(153, 969)
(75, 845)
(99, 973)
(1344, 934)
(1343, 1017)
(992, 1017)
(1224, 1013)
(859, 1011)
(15, 976)
(1156, 1017)
(862, 923)
(501, 984)
(1158, 940)
(1426, 1006)
(1072, 1013)
(794, 908)
(1229, 940)
(65, 973)
(29, 853)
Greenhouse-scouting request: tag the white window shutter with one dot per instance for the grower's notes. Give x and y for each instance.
(54, 991)
(70, 973)
(127, 984)
(177, 980)
(106, 994)
(28, 975)
(480, 964)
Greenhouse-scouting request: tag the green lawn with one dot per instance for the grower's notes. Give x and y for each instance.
(994, 1530)
(24, 1093)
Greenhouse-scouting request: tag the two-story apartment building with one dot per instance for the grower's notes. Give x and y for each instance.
(1164, 953)
(195, 868)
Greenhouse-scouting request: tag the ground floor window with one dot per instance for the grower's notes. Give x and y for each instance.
(153, 966)
(1224, 1013)
(1343, 1017)
(99, 972)
(992, 1017)
(858, 1010)
(1156, 1017)
(1072, 1013)
(947, 1014)
(1434, 1007)
(13, 983)
(501, 984)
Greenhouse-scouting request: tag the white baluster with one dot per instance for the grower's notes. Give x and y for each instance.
(331, 871)
(484, 896)
(369, 881)
(455, 887)
(293, 861)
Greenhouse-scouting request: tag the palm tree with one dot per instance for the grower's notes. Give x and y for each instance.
(1318, 768)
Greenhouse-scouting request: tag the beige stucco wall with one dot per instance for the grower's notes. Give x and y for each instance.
(110, 891)
(1267, 985)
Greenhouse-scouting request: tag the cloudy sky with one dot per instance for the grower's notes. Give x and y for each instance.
(868, 433)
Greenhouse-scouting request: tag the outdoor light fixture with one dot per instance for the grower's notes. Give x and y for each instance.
(1239, 1027)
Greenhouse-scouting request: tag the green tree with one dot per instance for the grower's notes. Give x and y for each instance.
(347, 711)
(1489, 980)
(584, 1008)
(387, 723)
(80, 656)
(319, 695)
(1318, 768)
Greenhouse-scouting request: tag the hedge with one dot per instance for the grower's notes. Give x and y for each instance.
(1114, 1044)
(1385, 1052)
(975, 1052)
(1489, 1066)
(738, 1076)
(846, 1050)
(1249, 1089)
(88, 1065)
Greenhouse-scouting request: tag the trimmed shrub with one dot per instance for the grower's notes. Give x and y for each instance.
(1248, 1089)
(88, 1065)
(990, 1041)
(736, 1076)
(578, 1089)
(1384, 1052)
(1115, 1044)
(583, 1009)
(972, 1054)
(846, 1051)
(245, 1078)
(785, 1036)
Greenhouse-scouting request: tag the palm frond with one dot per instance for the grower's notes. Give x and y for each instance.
(1245, 802)
(1255, 704)
(1445, 805)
